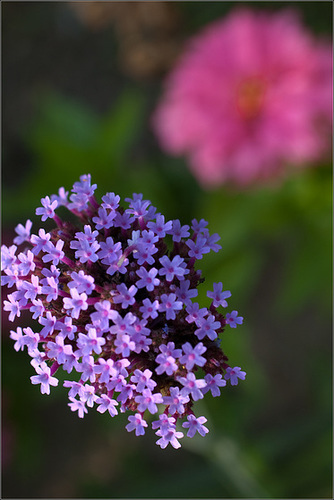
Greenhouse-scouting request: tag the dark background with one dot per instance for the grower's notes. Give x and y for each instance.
(78, 91)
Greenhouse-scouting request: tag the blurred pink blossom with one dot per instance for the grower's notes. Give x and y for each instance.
(250, 96)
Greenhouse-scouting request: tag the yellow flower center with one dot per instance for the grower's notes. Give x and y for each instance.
(250, 96)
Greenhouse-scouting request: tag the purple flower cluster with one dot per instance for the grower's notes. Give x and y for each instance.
(113, 297)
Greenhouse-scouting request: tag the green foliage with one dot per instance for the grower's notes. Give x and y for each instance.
(68, 139)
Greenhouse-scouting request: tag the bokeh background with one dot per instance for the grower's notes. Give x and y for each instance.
(80, 82)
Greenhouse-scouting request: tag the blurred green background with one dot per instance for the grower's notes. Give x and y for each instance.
(80, 83)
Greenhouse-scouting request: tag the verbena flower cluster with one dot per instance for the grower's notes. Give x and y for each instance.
(113, 298)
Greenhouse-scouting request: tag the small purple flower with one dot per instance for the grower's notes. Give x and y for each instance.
(166, 364)
(177, 231)
(234, 374)
(111, 201)
(13, 276)
(143, 380)
(19, 339)
(198, 227)
(192, 355)
(104, 219)
(195, 314)
(197, 249)
(58, 349)
(30, 339)
(66, 327)
(8, 257)
(53, 272)
(185, 294)
(148, 237)
(32, 288)
(126, 394)
(48, 208)
(77, 303)
(124, 345)
(90, 342)
(75, 388)
(110, 252)
(195, 425)
(87, 369)
(140, 327)
(148, 401)
(84, 186)
(173, 268)
(23, 232)
(218, 295)
(123, 221)
(37, 358)
(160, 227)
(71, 362)
(79, 406)
(85, 251)
(104, 312)
(164, 424)
(192, 385)
(144, 253)
(61, 197)
(171, 437)
(40, 241)
(88, 395)
(138, 206)
(82, 193)
(27, 263)
(148, 278)
(106, 369)
(169, 305)
(87, 235)
(82, 282)
(137, 424)
(233, 319)
(49, 324)
(13, 307)
(44, 378)
(122, 325)
(126, 296)
(169, 350)
(149, 309)
(53, 253)
(213, 383)
(37, 308)
(208, 327)
(50, 289)
(105, 403)
(211, 241)
(142, 343)
(176, 401)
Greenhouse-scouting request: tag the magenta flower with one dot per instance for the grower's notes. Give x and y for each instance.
(114, 305)
(250, 96)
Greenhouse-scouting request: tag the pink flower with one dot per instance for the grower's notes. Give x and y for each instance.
(250, 96)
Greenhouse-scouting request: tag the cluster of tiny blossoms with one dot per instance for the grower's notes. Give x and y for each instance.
(113, 296)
